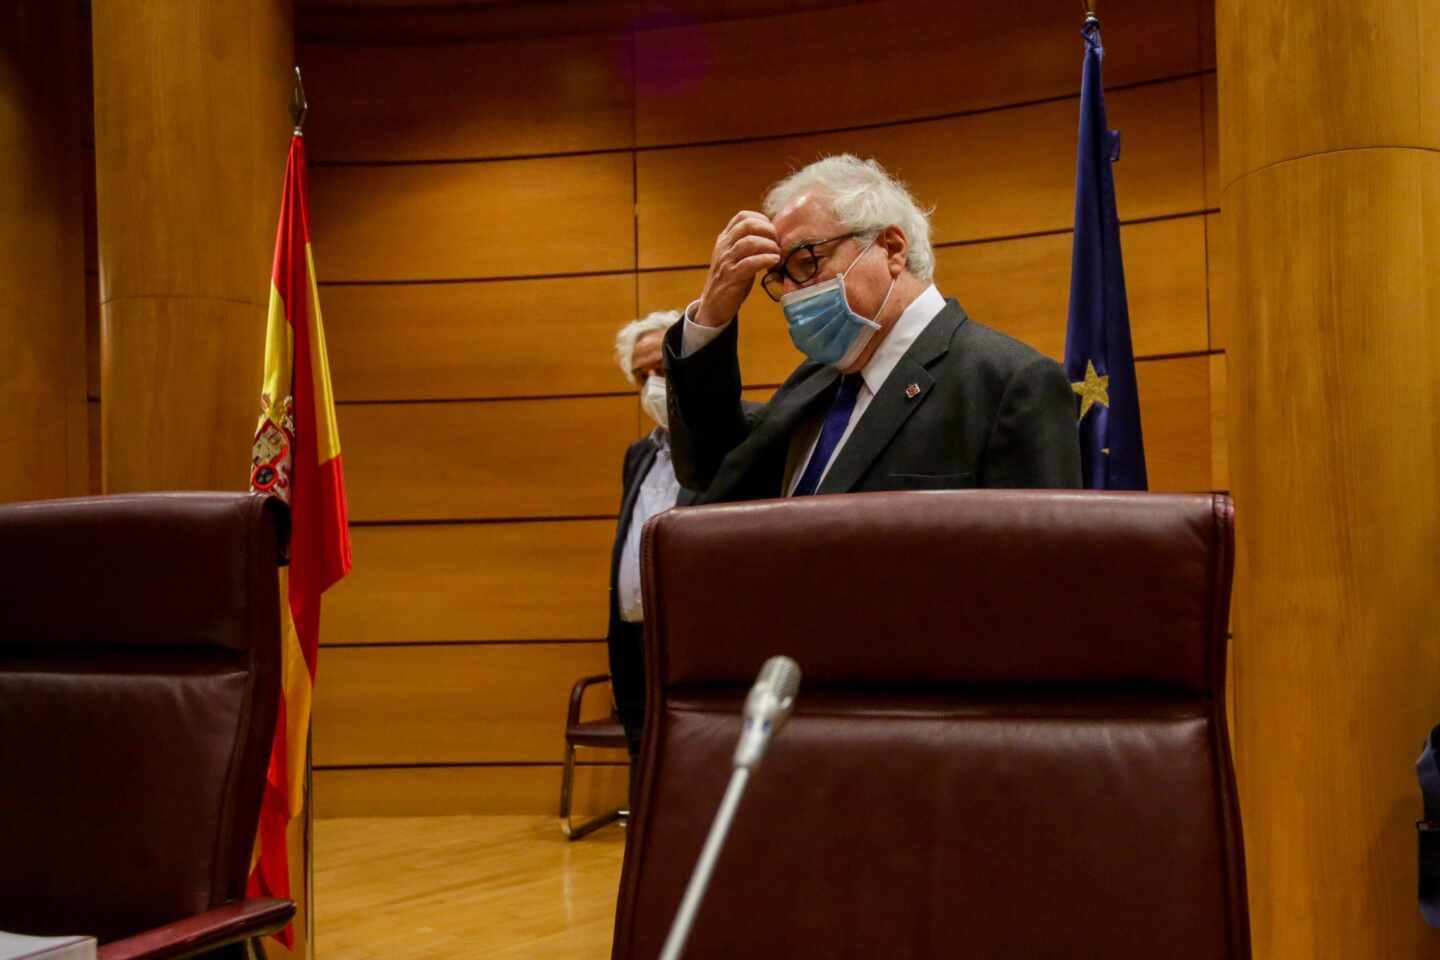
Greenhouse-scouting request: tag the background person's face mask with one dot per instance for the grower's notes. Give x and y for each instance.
(652, 400)
(822, 325)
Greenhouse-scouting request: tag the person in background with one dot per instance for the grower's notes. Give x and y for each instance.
(899, 388)
(649, 488)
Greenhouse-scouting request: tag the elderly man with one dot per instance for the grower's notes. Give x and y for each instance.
(649, 487)
(900, 390)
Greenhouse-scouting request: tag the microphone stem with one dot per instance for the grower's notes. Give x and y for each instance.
(700, 878)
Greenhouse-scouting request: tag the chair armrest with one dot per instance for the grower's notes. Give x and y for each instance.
(577, 694)
(240, 920)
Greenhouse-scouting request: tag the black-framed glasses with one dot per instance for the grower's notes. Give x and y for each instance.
(800, 265)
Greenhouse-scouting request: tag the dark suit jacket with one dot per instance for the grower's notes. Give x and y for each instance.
(626, 640)
(966, 406)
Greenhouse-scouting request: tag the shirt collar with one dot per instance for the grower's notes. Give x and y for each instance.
(907, 329)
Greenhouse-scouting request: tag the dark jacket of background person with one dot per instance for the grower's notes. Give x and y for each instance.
(627, 640)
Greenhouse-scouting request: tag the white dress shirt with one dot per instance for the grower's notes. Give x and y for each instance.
(906, 330)
(658, 493)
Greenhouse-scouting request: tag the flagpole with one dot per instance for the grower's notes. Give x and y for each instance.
(310, 842)
(299, 107)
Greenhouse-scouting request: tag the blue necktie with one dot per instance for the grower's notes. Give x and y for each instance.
(835, 423)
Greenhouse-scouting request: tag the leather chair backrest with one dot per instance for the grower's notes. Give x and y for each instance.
(1010, 738)
(139, 682)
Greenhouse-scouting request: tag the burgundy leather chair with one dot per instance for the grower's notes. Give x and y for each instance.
(139, 682)
(1010, 739)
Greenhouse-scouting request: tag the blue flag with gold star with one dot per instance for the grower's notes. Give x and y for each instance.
(1098, 356)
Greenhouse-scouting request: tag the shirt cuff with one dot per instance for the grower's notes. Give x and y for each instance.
(693, 336)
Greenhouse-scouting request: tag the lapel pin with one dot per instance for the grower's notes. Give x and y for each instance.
(912, 391)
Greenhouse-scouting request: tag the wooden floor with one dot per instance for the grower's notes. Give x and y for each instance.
(432, 887)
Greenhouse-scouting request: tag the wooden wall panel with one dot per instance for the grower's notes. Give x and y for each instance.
(1207, 34)
(92, 336)
(488, 581)
(1220, 247)
(191, 151)
(509, 338)
(454, 791)
(558, 94)
(177, 427)
(95, 478)
(988, 175)
(458, 703)
(1219, 425)
(1021, 287)
(448, 221)
(1335, 379)
(451, 461)
(1175, 414)
(87, 197)
(758, 77)
(1210, 104)
(1299, 84)
(190, 157)
(42, 313)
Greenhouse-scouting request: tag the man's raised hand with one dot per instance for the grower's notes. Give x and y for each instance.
(747, 246)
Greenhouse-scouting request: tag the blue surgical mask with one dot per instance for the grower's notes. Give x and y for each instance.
(822, 325)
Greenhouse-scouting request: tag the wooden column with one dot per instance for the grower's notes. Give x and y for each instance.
(42, 255)
(191, 124)
(1330, 169)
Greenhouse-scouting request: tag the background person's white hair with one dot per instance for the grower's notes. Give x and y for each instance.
(864, 198)
(625, 340)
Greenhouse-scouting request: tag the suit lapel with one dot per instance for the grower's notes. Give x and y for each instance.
(632, 491)
(907, 387)
(783, 414)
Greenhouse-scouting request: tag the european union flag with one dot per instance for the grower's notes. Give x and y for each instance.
(1098, 357)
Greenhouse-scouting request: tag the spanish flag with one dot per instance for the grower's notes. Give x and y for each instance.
(296, 456)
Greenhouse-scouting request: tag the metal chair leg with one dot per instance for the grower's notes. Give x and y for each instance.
(567, 788)
(567, 785)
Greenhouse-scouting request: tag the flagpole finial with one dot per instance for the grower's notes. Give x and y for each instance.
(299, 106)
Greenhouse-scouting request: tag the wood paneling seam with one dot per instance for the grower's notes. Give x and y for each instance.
(178, 296)
(761, 138)
(1379, 147)
(678, 268)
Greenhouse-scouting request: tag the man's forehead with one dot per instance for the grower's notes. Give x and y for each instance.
(803, 220)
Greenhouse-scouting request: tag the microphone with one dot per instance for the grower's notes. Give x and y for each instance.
(766, 710)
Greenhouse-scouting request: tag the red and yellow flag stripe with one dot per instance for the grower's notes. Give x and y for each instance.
(296, 456)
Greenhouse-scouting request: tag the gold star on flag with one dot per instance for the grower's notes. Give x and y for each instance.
(1092, 390)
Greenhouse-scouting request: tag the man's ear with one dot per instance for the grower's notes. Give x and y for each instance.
(897, 248)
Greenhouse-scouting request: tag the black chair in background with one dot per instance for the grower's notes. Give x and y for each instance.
(606, 734)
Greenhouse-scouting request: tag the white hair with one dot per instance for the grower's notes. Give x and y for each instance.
(863, 198)
(629, 334)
